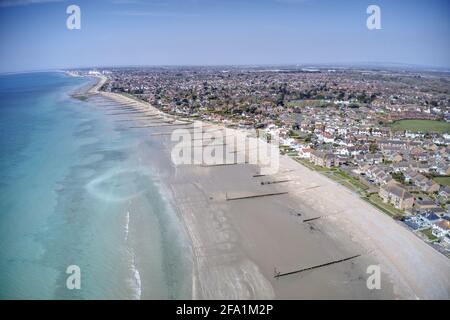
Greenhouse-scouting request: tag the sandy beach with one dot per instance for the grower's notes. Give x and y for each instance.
(238, 246)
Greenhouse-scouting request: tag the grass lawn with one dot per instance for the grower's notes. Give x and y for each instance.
(385, 207)
(444, 181)
(355, 185)
(429, 235)
(421, 125)
(311, 166)
(337, 175)
(349, 185)
(355, 182)
(341, 181)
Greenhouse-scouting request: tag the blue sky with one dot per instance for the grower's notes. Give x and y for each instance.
(33, 33)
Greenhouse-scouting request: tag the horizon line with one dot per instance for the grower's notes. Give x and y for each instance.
(388, 65)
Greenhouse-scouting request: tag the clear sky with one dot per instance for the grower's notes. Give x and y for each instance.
(33, 33)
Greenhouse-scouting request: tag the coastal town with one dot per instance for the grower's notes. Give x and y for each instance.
(383, 134)
(248, 156)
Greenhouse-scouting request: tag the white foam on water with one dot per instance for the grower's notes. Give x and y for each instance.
(136, 280)
(127, 226)
(103, 187)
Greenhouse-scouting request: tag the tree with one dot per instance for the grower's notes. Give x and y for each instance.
(373, 148)
(398, 176)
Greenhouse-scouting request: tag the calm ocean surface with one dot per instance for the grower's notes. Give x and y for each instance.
(79, 188)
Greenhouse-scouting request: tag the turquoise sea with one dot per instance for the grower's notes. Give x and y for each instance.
(77, 187)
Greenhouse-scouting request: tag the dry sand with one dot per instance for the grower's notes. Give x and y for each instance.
(414, 268)
(238, 244)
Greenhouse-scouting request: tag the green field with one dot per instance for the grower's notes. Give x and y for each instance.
(429, 234)
(337, 175)
(421, 125)
(443, 181)
(346, 180)
(385, 207)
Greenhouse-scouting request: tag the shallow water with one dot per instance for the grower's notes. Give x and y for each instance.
(78, 188)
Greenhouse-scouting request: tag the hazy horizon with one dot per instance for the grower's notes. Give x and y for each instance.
(125, 33)
(357, 65)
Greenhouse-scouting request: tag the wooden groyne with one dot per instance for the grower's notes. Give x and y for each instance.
(152, 119)
(208, 145)
(123, 113)
(244, 150)
(274, 182)
(324, 216)
(166, 124)
(155, 116)
(116, 105)
(211, 138)
(157, 123)
(311, 219)
(143, 114)
(278, 274)
(124, 109)
(106, 104)
(171, 132)
(256, 196)
(223, 164)
(310, 188)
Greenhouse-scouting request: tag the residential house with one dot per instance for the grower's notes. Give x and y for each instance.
(445, 192)
(441, 228)
(399, 197)
(426, 203)
(322, 159)
(422, 182)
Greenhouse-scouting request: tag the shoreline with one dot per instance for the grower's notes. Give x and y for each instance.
(237, 239)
